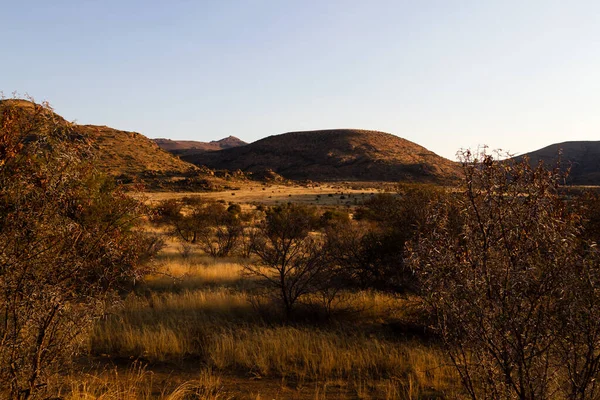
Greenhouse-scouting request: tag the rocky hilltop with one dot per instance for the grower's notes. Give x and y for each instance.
(330, 155)
(581, 157)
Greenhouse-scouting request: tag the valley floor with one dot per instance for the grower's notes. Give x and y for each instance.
(198, 328)
(342, 194)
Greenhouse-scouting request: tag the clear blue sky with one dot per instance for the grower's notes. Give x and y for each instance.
(516, 75)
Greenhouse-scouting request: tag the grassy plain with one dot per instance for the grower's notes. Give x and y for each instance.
(199, 328)
(343, 194)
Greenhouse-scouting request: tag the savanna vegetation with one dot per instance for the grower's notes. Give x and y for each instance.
(487, 290)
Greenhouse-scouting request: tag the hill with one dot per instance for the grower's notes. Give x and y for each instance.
(583, 157)
(330, 155)
(190, 147)
(131, 153)
(130, 156)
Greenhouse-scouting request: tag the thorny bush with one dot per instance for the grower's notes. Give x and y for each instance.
(515, 288)
(68, 240)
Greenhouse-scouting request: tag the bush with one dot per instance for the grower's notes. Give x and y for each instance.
(516, 295)
(217, 229)
(67, 242)
(334, 217)
(371, 251)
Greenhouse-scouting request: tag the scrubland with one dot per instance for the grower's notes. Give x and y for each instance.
(373, 296)
(199, 328)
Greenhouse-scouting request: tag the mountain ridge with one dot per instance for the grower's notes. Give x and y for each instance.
(334, 154)
(580, 157)
(187, 147)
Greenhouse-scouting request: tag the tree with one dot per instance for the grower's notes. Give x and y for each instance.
(223, 229)
(515, 293)
(67, 242)
(372, 251)
(216, 229)
(291, 260)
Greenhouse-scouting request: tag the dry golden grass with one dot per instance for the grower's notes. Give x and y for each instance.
(201, 309)
(136, 383)
(308, 353)
(191, 274)
(167, 326)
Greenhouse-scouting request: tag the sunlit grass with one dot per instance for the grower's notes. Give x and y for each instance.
(137, 383)
(195, 274)
(308, 353)
(164, 326)
(202, 309)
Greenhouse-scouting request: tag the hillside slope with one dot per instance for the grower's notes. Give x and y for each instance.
(329, 155)
(582, 157)
(131, 153)
(128, 155)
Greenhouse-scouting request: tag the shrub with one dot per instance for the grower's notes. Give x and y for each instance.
(67, 241)
(215, 228)
(372, 250)
(516, 295)
(334, 217)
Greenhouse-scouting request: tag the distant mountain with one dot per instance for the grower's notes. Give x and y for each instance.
(582, 157)
(329, 155)
(188, 147)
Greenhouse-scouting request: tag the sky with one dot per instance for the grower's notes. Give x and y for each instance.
(448, 75)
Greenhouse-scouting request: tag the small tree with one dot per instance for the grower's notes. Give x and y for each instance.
(372, 251)
(291, 260)
(185, 218)
(67, 241)
(515, 294)
(223, 229)
(216, 229)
